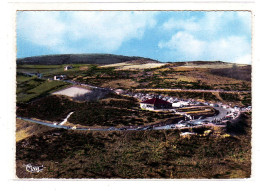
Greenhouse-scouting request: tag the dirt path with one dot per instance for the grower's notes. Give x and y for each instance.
(218, 96)
(191, 90)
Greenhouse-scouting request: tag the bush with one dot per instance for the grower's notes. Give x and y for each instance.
(239, 126)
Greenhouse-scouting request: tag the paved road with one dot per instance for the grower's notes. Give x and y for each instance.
(222, 113)
(56, 126)
(43, 123)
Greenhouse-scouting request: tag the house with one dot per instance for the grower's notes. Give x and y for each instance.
(119, 91)
(59, 77)
(155, 103)
(180, 103)
(67, 68)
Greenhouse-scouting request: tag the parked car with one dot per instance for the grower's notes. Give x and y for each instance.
(111, 128)
(123, 128)
(149, 128)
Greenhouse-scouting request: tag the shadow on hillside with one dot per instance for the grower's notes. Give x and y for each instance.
(94, 95)
(239, 126)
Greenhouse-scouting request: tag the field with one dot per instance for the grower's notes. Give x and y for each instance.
(130, 66)
(205, 76)
(211, 66)
(29, 88)
(137, 154)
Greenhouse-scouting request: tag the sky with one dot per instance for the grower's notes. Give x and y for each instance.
(167, 36)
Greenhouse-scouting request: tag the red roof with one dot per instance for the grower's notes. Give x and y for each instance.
(156, 101)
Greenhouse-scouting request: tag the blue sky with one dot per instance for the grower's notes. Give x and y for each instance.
(161, 35)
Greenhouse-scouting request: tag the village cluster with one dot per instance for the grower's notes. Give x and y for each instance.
(156, 102)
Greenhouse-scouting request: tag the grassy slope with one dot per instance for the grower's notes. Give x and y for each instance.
(169, 76)
(26, 129)
(139, 154)
(29, 88)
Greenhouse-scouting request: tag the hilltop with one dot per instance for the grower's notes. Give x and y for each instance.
(59, 59)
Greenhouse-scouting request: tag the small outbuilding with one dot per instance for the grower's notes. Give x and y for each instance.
(155, 103)
(176, 104)
(119, 91)
(59, 77)
(67, 68)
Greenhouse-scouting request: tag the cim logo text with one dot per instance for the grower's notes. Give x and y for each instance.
(33, 169)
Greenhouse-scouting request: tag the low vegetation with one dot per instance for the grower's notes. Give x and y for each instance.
(26, 129)
(135, 154)
(236, 72)
(113, 111)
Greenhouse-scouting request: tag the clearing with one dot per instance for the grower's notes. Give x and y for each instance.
(131, 66)
(73, 91)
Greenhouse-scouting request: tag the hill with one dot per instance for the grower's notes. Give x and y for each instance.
(59, 59)
(239, 73)
(134, 154)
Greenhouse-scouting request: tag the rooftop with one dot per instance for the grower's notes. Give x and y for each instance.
(155, 101)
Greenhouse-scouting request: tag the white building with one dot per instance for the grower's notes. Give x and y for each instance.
(67, 68)
(155, 104)
(180, 103)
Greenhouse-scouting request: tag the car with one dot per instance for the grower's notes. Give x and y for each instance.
(111, 128)
(180, 125)
(123, 128)
(140, 128)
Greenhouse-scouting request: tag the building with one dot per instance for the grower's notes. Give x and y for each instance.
(119, 91)
(155, 104)
(180, 104)
(59, 77)
(67, 68)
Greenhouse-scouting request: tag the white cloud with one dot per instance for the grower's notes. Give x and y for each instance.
(79, 30)
(188, 47)
(211, 23)
(229, 48)
(187, 25)
(108, 30)
(41, 28)
(214, 36)
(185, 44)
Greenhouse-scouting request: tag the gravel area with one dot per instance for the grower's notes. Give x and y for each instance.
(73, 91)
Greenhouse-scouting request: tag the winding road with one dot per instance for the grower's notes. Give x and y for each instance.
(222, 113)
